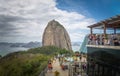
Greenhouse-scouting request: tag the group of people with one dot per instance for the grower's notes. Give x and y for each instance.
(50, 66)
(64, 66)
(101, 39)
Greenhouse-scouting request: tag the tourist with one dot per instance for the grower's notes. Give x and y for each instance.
(108, 42)
(112, 39)
(116, 42)
(84, 66)
(98, 40)
(50, 67)
(103, 38)
(63, 67)
(94, 40)
(105, 41)
(89, 39)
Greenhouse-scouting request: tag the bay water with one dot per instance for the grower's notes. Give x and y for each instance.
(4, 50)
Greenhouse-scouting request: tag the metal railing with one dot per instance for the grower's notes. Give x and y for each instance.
(43, 72)
(73, 70)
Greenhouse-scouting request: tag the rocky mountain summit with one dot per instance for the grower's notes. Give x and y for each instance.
(56, 35)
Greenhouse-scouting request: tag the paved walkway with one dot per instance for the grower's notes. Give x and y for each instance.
(56, 66)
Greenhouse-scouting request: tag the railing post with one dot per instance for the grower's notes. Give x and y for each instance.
(43, 72)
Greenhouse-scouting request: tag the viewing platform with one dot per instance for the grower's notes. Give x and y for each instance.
(103, 49)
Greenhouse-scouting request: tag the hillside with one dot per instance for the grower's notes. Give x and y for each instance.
(27, 63)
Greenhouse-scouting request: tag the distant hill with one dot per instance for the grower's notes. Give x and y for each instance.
(5, 44)
(31, 44)
(26, 45)
(17, 44)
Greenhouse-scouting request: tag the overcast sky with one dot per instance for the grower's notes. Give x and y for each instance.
(25, 20)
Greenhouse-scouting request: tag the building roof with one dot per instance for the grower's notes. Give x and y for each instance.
(113, 22)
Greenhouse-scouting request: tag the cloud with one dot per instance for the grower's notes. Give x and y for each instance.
(25, 20)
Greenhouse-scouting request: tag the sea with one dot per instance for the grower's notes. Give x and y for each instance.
(4, 50)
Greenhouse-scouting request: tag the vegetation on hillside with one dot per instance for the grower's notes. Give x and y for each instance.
(27, 63)
(23, 65)
(46, 50)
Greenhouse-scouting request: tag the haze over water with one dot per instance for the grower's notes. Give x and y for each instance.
(4, 50)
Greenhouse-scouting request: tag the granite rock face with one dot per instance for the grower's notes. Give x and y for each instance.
(56, 35)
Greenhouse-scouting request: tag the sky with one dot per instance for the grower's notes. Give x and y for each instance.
(25, 20)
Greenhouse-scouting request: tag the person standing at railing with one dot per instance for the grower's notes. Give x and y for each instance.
(98, 40)
(90, 39)
(94, 40)
(103, 41)
(116, 42)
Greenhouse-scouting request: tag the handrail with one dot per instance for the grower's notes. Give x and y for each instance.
(104, 46)
(43, 72)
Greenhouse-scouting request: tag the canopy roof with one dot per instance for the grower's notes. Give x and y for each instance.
(113, 22)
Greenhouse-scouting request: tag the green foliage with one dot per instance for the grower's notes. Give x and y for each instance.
(47, 50)
(77, 51)
(65, 52)
(23, 65)
(27, 63)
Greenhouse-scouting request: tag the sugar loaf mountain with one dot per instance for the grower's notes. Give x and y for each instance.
(56, 35)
